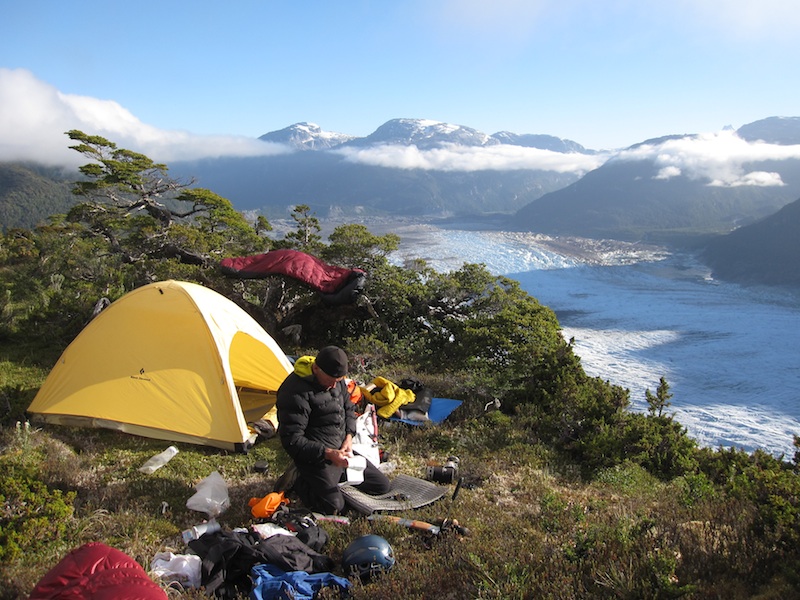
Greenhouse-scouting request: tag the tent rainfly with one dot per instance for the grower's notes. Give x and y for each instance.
(171, 360)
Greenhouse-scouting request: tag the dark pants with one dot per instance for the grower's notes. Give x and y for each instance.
(318, 487)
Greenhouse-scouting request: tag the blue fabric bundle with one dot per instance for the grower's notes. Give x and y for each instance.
(272, 583)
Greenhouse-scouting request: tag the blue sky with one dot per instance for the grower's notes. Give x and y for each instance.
(604, 73)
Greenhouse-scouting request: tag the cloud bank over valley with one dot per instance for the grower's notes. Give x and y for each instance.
(34, 117)
(719, 158)
(500, 157)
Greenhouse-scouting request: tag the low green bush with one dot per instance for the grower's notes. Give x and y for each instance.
(33, 512)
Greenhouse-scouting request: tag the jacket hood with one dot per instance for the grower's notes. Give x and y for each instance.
(302, 367)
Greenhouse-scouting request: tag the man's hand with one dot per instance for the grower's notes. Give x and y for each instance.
(347, 445)
(336, 457)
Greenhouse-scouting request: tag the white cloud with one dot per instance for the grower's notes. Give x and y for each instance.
(668, 172)
(474, 158)
(720, 159)
(755, 178)
(34, 117)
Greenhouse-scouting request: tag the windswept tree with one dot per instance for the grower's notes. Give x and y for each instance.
(125, 181)
(133, 226)
(143, 213)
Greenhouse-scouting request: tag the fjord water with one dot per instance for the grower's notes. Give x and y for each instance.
(729, 353)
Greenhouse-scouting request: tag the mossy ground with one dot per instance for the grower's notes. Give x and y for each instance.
(536, 528)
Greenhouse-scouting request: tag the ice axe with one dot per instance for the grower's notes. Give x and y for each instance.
(410, 523)
(446, 524)
(449, 522)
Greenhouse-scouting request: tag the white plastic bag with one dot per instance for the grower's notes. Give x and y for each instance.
(265, 530)
(183, 568)
(211, 497)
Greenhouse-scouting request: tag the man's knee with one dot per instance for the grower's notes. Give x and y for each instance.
(375, 483)
(329, 504)
(382, 486)
(387, 487)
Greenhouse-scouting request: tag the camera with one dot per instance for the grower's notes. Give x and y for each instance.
(447, 473)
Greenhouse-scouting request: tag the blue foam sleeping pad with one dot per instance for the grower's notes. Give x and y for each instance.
(440, 409)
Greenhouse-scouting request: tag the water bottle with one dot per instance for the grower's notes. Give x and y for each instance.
(201, 529)
(159, 460)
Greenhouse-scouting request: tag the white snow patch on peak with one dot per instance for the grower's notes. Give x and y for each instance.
(315, 130)
(427, 122)
(311, 127)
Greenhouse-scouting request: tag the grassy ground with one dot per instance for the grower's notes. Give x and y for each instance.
(536, 529)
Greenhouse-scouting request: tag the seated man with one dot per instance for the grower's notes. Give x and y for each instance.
(316, 424)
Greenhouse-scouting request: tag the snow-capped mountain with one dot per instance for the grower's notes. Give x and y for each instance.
(422, 133)
(306, 136)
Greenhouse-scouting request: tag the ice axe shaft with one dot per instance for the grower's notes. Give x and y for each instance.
(410, 523)
(445, 524)
(455, 493)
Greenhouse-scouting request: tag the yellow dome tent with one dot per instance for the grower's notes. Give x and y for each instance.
(171, 360)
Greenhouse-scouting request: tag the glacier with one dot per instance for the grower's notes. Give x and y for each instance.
(637, 313)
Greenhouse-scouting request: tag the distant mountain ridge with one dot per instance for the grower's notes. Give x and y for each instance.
(631, 199)
(544, 142)
(773, 130)
(321, 175)
(422, 133)
(333, 186)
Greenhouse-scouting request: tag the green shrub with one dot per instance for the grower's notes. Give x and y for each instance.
(33, 513)
(695, 488)
(660, 444)
(630, 478)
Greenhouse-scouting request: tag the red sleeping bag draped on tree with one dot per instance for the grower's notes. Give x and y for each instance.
(337, 285)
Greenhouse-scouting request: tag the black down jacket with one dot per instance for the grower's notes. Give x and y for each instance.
(312, 418)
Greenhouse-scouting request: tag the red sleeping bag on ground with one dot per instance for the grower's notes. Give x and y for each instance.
(337, 285)
(97, 572)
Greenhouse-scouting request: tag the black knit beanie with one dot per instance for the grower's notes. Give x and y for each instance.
(333, 361)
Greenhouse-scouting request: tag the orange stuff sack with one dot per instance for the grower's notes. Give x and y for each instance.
(263, 508)
(355, 391)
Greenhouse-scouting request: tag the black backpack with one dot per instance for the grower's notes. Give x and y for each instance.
(422, 395)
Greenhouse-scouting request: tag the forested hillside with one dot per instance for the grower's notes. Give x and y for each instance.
(333, 185)
(766, 252)
(30, 193)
